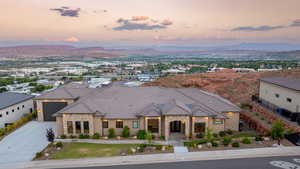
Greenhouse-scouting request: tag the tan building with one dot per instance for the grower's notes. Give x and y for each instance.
(161, 111)
(281, 92)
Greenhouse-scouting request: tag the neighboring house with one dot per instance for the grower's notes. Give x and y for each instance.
(161, 111)
(13, 106)
(281, 92)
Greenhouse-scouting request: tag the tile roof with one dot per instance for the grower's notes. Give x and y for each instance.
(9, 98)
(290, 83)
(118, 102)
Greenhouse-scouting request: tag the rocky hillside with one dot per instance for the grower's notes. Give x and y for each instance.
(236, 87)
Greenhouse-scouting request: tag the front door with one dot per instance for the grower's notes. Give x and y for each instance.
(175, 127)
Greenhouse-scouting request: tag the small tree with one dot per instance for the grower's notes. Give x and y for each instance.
(149, 137)
(277, 132)
(111, 133)
(50, 135)
(209, 135)
(126, 132)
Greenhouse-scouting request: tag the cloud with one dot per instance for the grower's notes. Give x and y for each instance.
(296, 23)
(141, 23)
(258, 28)
(72, 39)
(139, 18)
(67, 11)
(166, 22)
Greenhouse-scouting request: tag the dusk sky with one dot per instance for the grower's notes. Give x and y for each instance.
(150, 22)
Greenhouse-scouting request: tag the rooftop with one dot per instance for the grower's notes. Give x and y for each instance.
(290, 83)
(10, 98)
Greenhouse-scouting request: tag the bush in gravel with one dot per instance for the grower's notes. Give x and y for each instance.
(50, 135)
(59, 144)
(2, 132)
(39, 154)
(246, 141)
(214, 144)
(83, 136)
(141, 134)
(227, 141)
(96, 136)
(222, 133)
(200, 135)
(258, 138)
(215, 135)
(194, 143)
(126, 132)
(229, 132)
(235, 144)
(162, 137)
(72, 137)
(63, 136)
(111, 133)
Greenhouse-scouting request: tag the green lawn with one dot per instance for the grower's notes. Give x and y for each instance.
(82, 150)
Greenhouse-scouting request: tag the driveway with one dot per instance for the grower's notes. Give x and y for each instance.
(25, 142)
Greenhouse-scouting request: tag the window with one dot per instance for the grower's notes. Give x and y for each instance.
(289, 100)
(13, 110)
(277, 95)
(119, 124)
(0, 115)
(7, 113)
(23, 106)
(153, 125)
(78, 127)
(199, 127)
(86, 127)
(70, 127)
(135, 124)
(18, 108)
(105, 124)
(218, 121)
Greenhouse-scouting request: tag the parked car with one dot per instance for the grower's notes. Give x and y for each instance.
(294, 138)
(295, 117)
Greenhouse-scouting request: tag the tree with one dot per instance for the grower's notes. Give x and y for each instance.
(149, 137)
(277, 132)
(50, 135)
(126, 132)
(209, 135)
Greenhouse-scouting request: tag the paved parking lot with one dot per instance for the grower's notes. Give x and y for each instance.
(25, 142)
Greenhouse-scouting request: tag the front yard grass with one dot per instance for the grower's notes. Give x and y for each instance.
(84, 150)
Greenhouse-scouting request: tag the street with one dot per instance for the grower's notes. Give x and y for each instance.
(285, 162)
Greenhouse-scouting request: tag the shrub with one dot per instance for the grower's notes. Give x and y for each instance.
(200, 135)
(141, 134)
(235, 144)
(214, 144)
(230, 132)
(158, 147)
(96, 136)
(258, 138)
(39, 154)
(2, 132)
(149, 137)
(162, 137)
(111, 133)
(215, 135)
(226, 141)
(222, 133)
(63, 136)
(126, 132)
(246, 141)
(194, 143)
(59, 144)
(72, 137)
(83, 136)
(50, 135)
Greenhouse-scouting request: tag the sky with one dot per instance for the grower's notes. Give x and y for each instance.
(149, 22)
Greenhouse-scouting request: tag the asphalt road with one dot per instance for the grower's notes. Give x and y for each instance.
(291, 162)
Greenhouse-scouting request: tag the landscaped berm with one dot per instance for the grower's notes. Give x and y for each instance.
(59, 150)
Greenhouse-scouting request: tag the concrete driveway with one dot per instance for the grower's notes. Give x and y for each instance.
(22, 145)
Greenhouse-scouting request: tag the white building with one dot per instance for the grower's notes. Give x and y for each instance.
(99, 82)
(281, 92)
(13, 106)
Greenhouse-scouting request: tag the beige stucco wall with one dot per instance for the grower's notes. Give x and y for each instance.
(233, 121)
(39, 106)
(216, 128)
(128, 123)
(267, 92)
(78, 117)
(59, 126)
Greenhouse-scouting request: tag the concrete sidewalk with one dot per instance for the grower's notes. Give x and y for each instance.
(160, 158)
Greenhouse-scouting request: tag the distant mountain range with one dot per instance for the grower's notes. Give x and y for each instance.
(245, 50)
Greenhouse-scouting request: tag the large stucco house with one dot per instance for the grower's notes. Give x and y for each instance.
(161, 111)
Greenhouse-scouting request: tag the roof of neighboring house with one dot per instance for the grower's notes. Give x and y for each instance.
(10, 98)
(290, 83)
(69, 91)
(120, 102)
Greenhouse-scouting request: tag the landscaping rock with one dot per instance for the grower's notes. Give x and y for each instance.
(163, 148)
(58, 148)
(134, 137)
(133, 150)
(266, 138)
(208, 144)
(199, 146)
(47, 154)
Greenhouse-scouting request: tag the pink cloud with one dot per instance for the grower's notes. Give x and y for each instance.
(72, 39)
(167, 22)
(140, 18)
